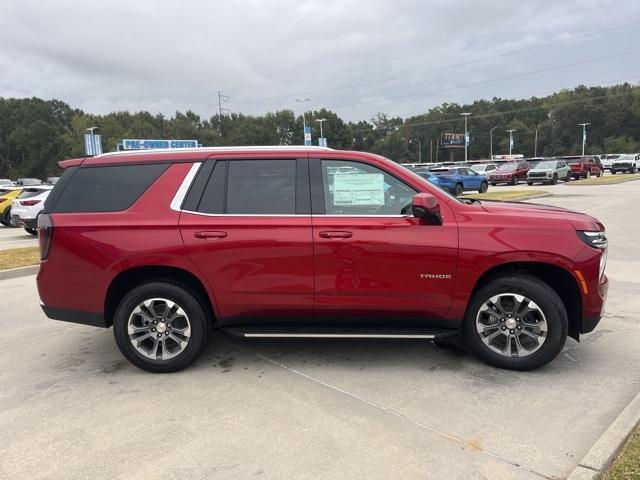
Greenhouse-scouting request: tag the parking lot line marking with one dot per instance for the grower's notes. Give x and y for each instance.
(470, 445)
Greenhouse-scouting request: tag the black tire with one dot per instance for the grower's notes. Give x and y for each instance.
(554, 180)
(529, 183)
(514, 180)
(6, 220)
(458, 190)
(196, 312)
(493, 184)
(567, 178)
(540, 293)
(613, 172)
(588, 174)
(600, 173)
(32, 231)
(634, 169)
(484, 186)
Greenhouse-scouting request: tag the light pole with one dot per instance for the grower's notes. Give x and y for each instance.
(510, 140)
(466, 135)
(419, 148)
(491, 143)
(535, 143)
(321, 121)
(304, 119)
(584, 134)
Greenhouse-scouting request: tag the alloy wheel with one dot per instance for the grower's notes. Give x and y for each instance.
(511, 325)
(159, 329)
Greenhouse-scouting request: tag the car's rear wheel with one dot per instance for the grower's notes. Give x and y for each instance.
(484, 186)
(161, 327)
(493, 184)
(568, 177)
(6, 219)
(529, 183)
(458, 190)
(516, 322)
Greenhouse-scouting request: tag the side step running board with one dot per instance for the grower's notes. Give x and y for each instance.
(336, 333)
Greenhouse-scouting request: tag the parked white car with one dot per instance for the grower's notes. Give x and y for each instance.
(607, 160)
(549, 171)
(484, 168)
(26, 208)
(626, 163)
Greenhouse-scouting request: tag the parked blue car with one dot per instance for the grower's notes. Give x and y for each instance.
(460, 179)
(428, 176)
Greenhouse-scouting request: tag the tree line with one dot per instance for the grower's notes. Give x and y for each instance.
(35, 134)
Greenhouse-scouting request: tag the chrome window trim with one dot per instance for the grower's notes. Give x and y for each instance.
(178, 198)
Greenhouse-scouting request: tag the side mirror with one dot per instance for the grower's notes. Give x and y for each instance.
(426, 206)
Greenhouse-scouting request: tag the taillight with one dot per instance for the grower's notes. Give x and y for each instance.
(45, 234)
(29, 203)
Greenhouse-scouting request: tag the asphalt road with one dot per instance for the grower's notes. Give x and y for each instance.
(16, 238)
(71, 407)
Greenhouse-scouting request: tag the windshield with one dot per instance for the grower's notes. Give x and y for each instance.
(546, 165)
(508, 167)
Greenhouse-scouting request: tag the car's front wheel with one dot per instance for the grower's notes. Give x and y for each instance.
(516, 322)
(613, 172)
(554, 180)
(161, 327)
(458, 190)
(514, 180)
(484, 186)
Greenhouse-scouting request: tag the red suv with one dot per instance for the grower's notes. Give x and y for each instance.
(511, 173)
(307, 242)
(584, 166)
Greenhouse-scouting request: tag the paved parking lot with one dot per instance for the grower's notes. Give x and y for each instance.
(16, 238)
(71, 407)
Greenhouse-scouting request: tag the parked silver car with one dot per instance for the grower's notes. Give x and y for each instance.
(626, 163)
(549, 171)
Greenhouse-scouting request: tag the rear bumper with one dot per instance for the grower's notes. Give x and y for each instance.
(74, 316)
(16, 221)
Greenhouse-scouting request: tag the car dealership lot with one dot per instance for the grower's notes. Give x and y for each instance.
(71, 406)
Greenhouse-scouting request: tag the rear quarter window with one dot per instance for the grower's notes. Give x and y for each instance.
(110, 188)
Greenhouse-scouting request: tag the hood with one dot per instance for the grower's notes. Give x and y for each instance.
(580, 221)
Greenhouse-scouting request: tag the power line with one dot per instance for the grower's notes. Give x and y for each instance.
(440, 69)
(508, 112)
(484, 82)
(546, 20)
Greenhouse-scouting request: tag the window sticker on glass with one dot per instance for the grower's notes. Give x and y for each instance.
(358, 189)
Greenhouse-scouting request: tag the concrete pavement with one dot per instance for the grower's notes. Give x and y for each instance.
(72, 407)
(16, 238)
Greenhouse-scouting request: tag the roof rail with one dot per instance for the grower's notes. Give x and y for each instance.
(216, 149)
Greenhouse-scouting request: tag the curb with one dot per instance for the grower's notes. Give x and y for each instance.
(19, 272)
(599, 458)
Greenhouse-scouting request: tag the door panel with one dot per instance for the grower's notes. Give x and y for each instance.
(389, 264)
(249, 233)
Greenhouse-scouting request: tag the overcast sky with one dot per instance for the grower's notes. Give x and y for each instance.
(355, 57)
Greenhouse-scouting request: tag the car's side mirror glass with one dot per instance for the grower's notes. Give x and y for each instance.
(427, 207)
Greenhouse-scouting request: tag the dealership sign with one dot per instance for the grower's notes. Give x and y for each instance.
(453, 140)
(145, 144)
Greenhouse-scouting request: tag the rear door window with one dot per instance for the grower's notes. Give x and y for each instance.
(110, 188)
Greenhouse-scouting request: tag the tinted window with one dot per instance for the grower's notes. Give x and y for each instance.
(106, 189)
(362, 189)
(261, 187)
(213, 196)
(30, 192)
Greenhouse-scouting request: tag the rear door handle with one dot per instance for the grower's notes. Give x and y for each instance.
(210, 234)
(336, 234)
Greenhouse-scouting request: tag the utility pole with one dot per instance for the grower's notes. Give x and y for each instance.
(510, 140)
(491, 143)
(419, 148)
(222, 99)
(431, 151)
(535, 144)
(584, 134)
(304, 120)
(466, 135)
(321, 121)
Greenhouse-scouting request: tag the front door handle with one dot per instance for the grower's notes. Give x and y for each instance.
(336, 234)
(210, 234)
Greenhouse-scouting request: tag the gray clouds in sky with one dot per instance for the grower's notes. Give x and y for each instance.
(165, 55)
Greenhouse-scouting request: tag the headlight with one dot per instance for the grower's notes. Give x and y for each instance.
(593, 239)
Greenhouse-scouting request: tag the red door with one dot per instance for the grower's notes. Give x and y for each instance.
(250, 243)
(372, 259)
